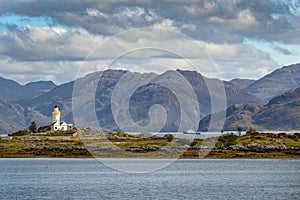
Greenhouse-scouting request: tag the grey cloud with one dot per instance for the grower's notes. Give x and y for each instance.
(112, 17)
(282, 50)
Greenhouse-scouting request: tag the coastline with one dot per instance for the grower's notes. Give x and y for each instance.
(122, 145)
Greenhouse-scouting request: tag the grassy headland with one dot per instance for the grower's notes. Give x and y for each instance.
(123, 145)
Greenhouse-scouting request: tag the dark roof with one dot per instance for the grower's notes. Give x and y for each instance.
(59, 124)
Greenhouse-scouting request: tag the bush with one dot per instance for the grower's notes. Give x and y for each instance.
(169, 137)
(44, 129)
(194, 143)
(19, 133)
(227, 140)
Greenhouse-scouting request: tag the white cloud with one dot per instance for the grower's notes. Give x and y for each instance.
(47, 43)
(58, 53)
(220, 27)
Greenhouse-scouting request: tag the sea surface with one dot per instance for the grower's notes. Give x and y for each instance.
(183, 179)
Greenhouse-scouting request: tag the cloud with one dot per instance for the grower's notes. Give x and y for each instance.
(44, 52)
(281, 50)
(57, 71)
(60, 34)
(214, 21)
(47, 43)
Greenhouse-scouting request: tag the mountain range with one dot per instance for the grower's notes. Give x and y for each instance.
(258, 103)
(13, 91)
(276, 83)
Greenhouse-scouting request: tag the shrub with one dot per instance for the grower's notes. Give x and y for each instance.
(194, 143)
(19, 133)
(169, 137)
(227, 140)
(44, 129)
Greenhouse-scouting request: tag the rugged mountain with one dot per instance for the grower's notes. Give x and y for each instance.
(113, 91)
(239, 115)
(234, 95)
(40, 87)
(12, 116)
(13, 91)
(242, 83)
(281, 113)
(276, 83)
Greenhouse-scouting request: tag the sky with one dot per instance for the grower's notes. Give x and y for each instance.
(59, 39)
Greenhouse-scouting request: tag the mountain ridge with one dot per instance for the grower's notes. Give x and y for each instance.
(39, 108)
(13, 91)
(276, 83)
(281, 113)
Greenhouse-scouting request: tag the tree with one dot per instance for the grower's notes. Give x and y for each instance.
(239, 129)
(251, 130)
(32, 128)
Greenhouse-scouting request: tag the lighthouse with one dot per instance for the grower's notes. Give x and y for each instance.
(56, 114)
(57, 124)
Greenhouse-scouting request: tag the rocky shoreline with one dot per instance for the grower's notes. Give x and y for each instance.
(123, 145)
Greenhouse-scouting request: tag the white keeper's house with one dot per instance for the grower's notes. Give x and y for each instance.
(58, 125)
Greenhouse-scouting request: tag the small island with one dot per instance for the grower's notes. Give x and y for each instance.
(74, 144)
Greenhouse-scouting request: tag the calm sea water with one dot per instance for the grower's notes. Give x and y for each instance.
(183, 179)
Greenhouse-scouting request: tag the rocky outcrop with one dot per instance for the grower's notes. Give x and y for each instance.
(254, 147)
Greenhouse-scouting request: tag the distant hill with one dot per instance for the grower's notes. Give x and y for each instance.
(13, 91)
(40, 87)
(242, 83)
(14, 117)
(281, 113)
(276, 83)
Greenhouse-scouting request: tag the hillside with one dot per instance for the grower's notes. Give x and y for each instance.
(276, 83)
(40, 87)
(242, 83)
(281, 113)
(12, 116)
(13, 91)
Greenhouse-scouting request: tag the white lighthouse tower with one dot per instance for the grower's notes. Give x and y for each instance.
(56, 114)
(58, 125)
